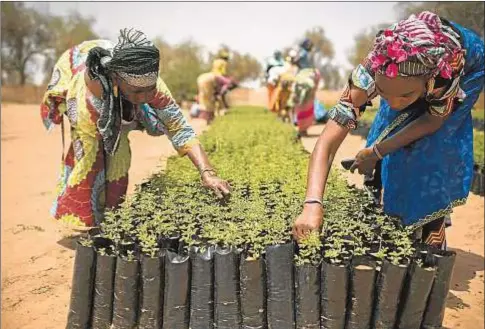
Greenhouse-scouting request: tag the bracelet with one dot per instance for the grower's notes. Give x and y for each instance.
(313, 201)
(207, 170)
(376, 151)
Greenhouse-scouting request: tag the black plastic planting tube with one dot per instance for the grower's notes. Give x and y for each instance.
(280, 283)
(362, 284)
(435, 310)
(169, 243)
(103, 286)
(307, 296)
(125, 306)
(176, 310)
(253, 293)
(151, 296)
(415, 294)
(227, 306)
(79, 316)
(390, 282)
(201, 291)
(334, 288)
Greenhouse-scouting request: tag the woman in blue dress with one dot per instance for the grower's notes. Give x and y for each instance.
(429, 73)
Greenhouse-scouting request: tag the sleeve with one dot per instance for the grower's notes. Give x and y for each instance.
(53, 104)
(224, 84)
(471, 85)
(345, 112)
(169, 119)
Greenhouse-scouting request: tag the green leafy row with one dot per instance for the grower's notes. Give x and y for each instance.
(267, 170)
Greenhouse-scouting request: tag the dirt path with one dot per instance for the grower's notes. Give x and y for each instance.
(465, 306)
(37, 265)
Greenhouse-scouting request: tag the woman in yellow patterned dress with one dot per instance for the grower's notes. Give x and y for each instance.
(211, 89)
(219, 65)
(105, 91)
(282, 78)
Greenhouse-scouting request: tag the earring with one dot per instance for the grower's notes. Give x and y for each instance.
(115, 90)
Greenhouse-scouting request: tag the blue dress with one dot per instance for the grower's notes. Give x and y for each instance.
(425, 180)
(303, 61)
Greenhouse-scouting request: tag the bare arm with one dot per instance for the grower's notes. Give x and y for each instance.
(324, 152)
(320, 163)
(322, 157)
(425, 125)
(200, 160)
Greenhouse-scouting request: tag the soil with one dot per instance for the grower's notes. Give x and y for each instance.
(37, 253)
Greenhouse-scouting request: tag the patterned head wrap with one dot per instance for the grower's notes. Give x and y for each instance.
(419, 45)
(136, 60)
(422, 46)
(223, 54)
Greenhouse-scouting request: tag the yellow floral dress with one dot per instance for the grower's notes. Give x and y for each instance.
(219, 66)
(91, 180)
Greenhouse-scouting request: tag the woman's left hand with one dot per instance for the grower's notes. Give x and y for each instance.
(220, 187)
(365, 161)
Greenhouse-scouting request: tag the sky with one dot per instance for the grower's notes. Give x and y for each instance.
(255, 27)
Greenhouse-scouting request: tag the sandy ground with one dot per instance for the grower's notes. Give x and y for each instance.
(36, 254)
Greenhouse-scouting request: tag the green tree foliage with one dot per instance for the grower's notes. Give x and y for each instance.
(65, 33)
(363, 43)
(323, 52)
(180, 65)
(323, 47)
(469, 14)
(25, 33)
(242, 66)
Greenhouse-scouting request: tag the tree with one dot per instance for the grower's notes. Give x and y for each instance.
(180, 65)
(468, 14)
(244, 67)
(363, 43)
(241, 66)
(70, 31)
(322, 54)
(331, 77)
(67, 32)
(25, 33)
(322, 46)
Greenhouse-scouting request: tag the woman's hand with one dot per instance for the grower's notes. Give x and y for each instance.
(220, 187)
(365, 161)
(209, 178)
(309, 220)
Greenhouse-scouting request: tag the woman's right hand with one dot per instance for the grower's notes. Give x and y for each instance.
(309, 220)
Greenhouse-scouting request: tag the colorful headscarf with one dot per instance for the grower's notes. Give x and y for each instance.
(419, 45)
(422, 46)
(136, 60)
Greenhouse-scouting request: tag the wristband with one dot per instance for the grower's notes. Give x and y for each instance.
(376, 151)
(207, 170)
(313, 201)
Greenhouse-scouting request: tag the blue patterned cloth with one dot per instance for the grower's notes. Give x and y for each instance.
(303, 61)
(426, 179)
